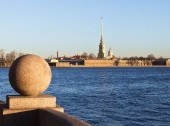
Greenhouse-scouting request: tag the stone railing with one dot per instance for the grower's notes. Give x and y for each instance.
(30, 75)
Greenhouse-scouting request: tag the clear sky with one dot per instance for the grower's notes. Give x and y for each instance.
(131, 27)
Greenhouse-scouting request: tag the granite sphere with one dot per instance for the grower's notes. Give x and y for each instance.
(30, 75)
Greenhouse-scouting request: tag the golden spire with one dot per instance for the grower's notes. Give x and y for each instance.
(102, 30)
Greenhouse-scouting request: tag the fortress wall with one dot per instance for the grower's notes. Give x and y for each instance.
(63, 64)
(123, 63)
(98, 63)
(168, 62)
(134, 63)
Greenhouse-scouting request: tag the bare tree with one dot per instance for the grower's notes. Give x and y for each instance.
(84, 55)
(13, 55)
(151, 57)
(116, 63)
(92, 56)
(2, 53)
(21, 54)
(8, 57)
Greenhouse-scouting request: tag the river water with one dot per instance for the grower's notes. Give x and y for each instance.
(109, 96)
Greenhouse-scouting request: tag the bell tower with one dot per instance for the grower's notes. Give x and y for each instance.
(101, 53)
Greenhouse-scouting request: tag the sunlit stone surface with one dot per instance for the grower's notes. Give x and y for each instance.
(30, 75)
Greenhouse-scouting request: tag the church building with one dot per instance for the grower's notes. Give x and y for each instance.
(101, 53)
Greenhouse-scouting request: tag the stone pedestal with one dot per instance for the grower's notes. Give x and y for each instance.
(24, 103)
(27, 102)
(24, 109)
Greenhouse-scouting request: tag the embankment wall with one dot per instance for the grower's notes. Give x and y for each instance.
(98, 63)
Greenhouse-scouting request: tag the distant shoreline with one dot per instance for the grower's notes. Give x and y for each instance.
(109, 66)
(79, 66)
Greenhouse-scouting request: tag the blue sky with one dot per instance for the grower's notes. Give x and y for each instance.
(43, 27)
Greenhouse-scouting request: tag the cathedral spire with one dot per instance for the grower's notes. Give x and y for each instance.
(101, 53)
(102, 30)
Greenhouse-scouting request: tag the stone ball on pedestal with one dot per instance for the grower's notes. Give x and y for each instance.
(30, 75)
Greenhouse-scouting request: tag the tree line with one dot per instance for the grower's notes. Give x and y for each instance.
(85, 55)
(149, 57)
(142, 61)
(9, 56)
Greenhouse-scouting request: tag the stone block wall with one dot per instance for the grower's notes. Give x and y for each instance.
(168, 62)
(98, 63)
(63, 64)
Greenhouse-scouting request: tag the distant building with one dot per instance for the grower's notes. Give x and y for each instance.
(54, 61)
(110, 54)
(57, 55)
(168, 62)
(101, 53)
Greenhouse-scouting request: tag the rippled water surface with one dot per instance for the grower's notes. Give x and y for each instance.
(109, 96)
